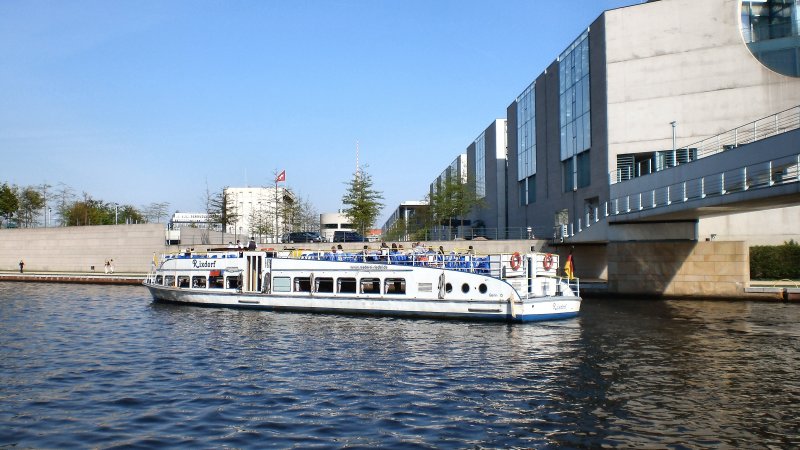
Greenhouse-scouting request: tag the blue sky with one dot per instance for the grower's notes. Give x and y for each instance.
(138, 102)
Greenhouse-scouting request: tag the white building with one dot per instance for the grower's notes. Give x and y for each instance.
(256, 211)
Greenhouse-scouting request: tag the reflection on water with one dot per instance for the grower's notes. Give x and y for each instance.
(98, 366)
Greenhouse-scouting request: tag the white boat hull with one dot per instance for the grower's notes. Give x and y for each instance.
(529, 310)
(254, 280)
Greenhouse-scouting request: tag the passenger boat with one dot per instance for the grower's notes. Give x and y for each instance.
(509, 287)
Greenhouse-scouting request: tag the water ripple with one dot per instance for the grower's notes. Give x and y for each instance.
(94, 366)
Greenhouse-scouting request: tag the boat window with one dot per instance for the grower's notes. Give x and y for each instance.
(448, 288)
(370, 285)
(465, 288)
(234, 282)
(183, 281)
(199, 282)
(281, 284)
(323, 284)
(346, 285)
(169, 280)
(425, 287)
(215, 282)
(482, 288)
(159, 279)
(302, 284)
(395, 286)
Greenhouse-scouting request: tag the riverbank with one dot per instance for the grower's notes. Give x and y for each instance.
(81, 278)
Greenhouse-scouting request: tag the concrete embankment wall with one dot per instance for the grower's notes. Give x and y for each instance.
(78, 249)
(679, 269)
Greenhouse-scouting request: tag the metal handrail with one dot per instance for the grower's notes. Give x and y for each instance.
(760, 175)
(772, 125)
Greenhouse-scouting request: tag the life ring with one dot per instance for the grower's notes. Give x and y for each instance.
(516, 261)
(547, 262)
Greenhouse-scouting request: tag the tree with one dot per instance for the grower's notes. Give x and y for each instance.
(31, 202)
(88, 212)
(9, 202)
(155, 211)
(64, 196)
(221, 211)
(453, 200)
(362, 201)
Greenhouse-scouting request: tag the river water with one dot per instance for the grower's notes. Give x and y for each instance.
(99, 367)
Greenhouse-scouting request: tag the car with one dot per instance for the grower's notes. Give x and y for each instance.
(348, 236)
(301, 236)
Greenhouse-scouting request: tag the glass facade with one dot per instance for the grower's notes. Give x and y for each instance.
(573, 67)
(480, 166)
(526, 144)
(771, 29)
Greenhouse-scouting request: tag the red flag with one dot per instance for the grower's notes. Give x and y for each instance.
(281, 177)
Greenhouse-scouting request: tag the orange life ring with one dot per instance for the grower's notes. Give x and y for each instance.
(547, 262)
(516, 261)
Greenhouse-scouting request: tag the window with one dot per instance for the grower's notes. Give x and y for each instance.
(323, 284)
(346, 285)
(183, 281)
(281, 284)
(234, 282)
(526, 133)
(370, 286)
(584, 170)
(216, 282)
(771, 29)
(395, 286)
(169, 280)
(302, 284)
(574, 98)
(568, 173)
(480, 166)
(198, 282)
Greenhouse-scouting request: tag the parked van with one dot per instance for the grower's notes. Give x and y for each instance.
(348, 236)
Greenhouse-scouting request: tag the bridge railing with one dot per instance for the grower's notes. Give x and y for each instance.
(760, 175)
(757, 130)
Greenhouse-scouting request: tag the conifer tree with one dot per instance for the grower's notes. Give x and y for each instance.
(362, 201)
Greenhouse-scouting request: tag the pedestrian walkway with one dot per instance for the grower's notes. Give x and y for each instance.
(73, 277)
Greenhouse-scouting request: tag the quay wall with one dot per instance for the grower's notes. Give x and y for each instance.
(691, 269)
(78, 249)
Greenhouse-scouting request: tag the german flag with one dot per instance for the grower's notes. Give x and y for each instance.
(569, 268)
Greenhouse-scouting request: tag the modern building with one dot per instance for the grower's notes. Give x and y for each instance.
(457, 171)
(405, 220)
(260, 211)
(639, 82)
(329, 223)
(486, 176)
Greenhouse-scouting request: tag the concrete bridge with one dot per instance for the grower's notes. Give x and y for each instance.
(647, 233)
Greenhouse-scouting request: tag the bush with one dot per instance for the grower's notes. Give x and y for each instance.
(775, 262)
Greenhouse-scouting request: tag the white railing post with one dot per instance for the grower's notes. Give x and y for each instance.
(572, 229)
(616, 206)
(653, 192)
(606, 206)
(722, 184)
(685, 197)
(669, 199)
(580, 228)
(771, 181)
(627, 203)
(596, 214)
(703, 187)
(744, 177)
(640, 202)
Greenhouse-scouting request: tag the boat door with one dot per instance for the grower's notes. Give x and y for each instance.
(253, 271)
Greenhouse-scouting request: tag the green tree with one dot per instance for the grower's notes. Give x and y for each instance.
(220, 210)
(363, 203)
(29, 207)
(452, 201)
(88, 212)
(9, 202)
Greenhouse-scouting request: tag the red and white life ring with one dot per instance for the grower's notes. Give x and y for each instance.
(516, 261)
(547, 262)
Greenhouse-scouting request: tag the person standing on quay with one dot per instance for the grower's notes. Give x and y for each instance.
(21, 265)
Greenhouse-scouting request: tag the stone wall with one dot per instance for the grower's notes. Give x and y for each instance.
(705, 269)
(78, 249)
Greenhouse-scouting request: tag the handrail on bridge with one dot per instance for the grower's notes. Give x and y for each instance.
(757, 130)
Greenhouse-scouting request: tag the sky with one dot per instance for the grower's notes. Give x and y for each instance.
(141, 102)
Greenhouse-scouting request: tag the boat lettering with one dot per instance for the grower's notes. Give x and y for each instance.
(559, 306)
(200, 264)
(370, 267)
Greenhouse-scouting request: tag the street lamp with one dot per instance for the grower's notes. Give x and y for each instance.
(674, 149)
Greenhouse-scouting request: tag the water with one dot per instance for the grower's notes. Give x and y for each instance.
(100, 367)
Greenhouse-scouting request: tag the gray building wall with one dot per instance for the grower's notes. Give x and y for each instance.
(650, 64)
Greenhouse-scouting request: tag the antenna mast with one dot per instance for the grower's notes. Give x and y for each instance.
(358, 168)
